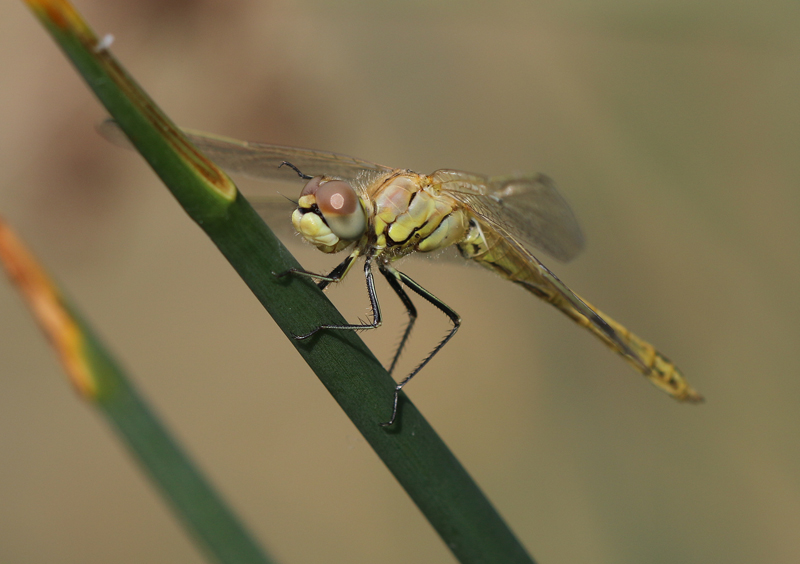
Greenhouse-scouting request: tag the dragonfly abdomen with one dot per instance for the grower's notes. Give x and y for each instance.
(639, 353)
(518, 265)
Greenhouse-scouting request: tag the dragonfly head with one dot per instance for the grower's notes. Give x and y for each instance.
(329, 214)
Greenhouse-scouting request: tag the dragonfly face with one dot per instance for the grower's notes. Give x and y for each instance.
(385, 214)
(329, 214)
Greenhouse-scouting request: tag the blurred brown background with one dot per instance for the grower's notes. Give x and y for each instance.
(671, 127)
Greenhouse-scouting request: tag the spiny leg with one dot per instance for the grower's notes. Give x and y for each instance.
(373, 297)
(441, 306)
(394, 281)
(335, 276)
(300, 173)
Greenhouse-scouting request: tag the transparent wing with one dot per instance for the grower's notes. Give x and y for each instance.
(261, 160)
(526, 208)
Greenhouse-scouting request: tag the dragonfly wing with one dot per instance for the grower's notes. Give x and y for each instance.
(528, 208)
(260, 160)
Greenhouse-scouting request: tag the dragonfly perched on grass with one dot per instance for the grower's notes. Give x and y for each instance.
(382, 214)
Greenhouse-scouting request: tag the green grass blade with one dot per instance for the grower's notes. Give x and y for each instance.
(99, 379)
(412, 451)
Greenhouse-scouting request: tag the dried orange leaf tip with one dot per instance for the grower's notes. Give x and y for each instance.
(47, 305)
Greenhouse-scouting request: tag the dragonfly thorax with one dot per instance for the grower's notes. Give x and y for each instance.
(412, 214)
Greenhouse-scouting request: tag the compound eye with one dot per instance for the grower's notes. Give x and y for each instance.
(341, 208)
(311, 186)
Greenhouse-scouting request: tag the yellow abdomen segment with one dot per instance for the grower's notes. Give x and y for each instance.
(645, 358)
(513, 262)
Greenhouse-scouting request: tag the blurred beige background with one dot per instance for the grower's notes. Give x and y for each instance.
(671, 127)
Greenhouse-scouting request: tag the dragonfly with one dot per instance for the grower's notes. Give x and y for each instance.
(382, 214)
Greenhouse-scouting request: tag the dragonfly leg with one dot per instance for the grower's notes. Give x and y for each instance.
(335, 275)
(394, 281)
(438, 304)
(373, 298)
(300, 173)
